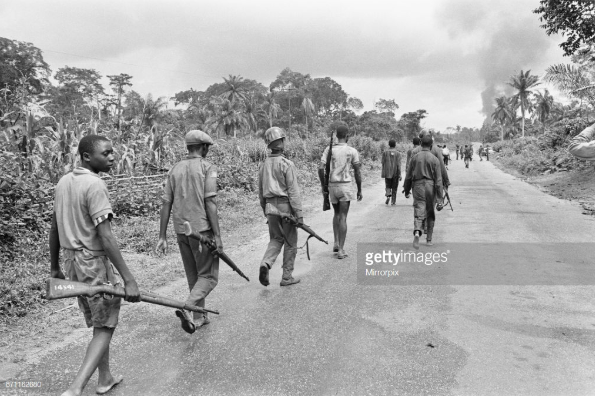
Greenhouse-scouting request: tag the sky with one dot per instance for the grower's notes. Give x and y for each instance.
(449, 57)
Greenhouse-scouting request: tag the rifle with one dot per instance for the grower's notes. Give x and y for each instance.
(212, 246)
(439, 208)
(326, 203)
(273, 211)
(61, 288)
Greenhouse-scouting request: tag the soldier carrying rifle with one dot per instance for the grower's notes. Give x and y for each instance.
(81, 227)
(191, 195)
(278, 187)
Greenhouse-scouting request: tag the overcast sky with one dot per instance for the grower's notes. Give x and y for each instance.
(449, 57)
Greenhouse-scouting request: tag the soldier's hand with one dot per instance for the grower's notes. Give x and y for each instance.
(324, 190)
(219, 244)
(359, 196)
(300, 220)
(161, 246)
(58, 274)
(132, 292)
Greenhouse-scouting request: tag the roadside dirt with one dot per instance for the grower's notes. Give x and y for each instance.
(58, 323)
(576, 185)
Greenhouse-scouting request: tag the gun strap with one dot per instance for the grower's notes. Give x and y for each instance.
(286, 241)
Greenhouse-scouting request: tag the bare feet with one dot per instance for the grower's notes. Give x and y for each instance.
(106, 388)
(341, 254)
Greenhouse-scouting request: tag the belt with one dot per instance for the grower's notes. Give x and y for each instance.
(277, 200)
(95, 253)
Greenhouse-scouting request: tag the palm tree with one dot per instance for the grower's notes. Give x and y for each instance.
(523, 83)
(235, 89)
(308, 108)
(574, 81)
(227, 116)
(270, 108)
(502, 114)
(252, 110)
(543, 107)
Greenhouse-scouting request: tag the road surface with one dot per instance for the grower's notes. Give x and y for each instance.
(330, 335)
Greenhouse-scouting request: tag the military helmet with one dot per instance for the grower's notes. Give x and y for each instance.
(272, 134)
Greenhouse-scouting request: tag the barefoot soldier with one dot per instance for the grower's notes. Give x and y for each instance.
(278, 186)
(340, 188)
(468, 155)
(190, 193)
(81, 226)
(391, 171)
(425, 178)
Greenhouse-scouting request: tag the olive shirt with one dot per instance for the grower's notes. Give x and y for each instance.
(81, 203)
(438, 154)
(424, 165)
(582, 145)
(391, 163)
(189, 183)
(277, 177)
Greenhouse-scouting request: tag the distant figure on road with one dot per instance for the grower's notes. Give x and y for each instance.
(457, 151)
(446, 155)
(190, 194)
(425, 178)
(582, 146)
(416, 143)
(468, 154)
(462, 151)
(391, 171)
(340, 190)
(278, 186)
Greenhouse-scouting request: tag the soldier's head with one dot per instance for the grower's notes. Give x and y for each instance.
(426, 141)
(342, 131)
(465, 146)
(96, 153)
(416, 141)
(392, 143)
(198, 142)
(275, 138)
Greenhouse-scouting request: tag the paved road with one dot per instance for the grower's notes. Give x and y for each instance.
(331, 336)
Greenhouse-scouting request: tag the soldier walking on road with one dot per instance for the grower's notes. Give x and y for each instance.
(457, 151)
(190, 194)
(391, 171)
(468, 155)
(340, 188)
(278, 186)
(425, 178)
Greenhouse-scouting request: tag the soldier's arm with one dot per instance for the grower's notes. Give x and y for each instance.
(293, 191)
(260, 191)
(409, 177)
(443, 171)
(210, 195)
(399, 165)
(439, 183)
(358, 178)
(55, 271)
(582, 145)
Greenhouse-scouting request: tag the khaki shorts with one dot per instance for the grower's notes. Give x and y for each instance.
(82, 266)
(341, 192)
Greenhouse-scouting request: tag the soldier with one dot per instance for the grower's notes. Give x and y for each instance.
(582, 146)
(445, 155)
(468, 155)
(340, 188)
(391, 171)
(425, 178)
(438, 154)
(480, 152)
(191, 194)
(278, 186)
(457, 151)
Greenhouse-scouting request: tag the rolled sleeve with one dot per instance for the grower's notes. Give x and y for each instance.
(211, 182)
(355, 158)
(98, 203)
(582, 146)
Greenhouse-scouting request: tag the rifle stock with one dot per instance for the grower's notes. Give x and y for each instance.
(212, 246)
(62, 288)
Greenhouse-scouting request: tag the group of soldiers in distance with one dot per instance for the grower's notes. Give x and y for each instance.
(82, 215)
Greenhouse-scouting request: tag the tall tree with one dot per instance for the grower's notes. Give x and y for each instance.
(23, 74)
(523, 84)
(235, 89)
(119, 83)
(411, 122)
(544, 102)
(386, 105)
(502, 114)
(575, 19)
(575, 81)
(270, 108)
(227, 117)
(76, 89)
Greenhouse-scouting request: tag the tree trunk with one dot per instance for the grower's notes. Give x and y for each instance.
(522, 120)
